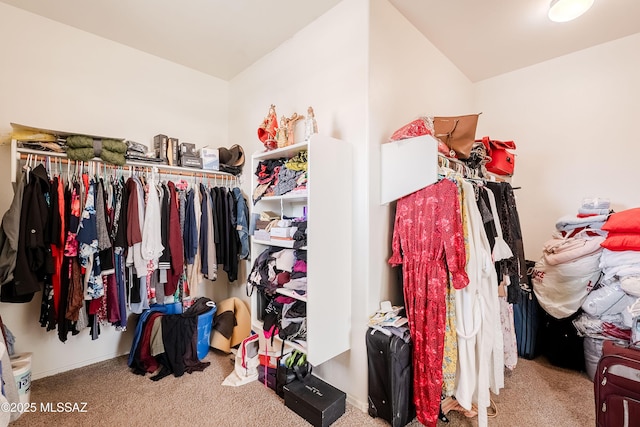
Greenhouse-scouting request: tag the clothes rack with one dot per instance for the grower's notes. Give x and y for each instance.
(20, 154)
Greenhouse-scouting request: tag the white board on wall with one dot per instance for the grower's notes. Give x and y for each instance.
(407, 166)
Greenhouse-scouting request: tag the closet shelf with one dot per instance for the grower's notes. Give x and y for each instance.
(21, 153)
(295, 197)
(291, 293)
(288, 244)
(256, 325)
(287, 152)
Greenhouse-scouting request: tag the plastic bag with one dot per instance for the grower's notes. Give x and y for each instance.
(561, 289)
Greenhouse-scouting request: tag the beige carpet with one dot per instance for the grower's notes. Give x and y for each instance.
(535, 394)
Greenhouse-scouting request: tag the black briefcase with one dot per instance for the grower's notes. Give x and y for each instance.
(314, 400)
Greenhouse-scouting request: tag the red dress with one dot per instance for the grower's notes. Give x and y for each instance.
(428, 240)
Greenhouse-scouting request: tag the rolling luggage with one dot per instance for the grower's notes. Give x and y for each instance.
(617, 386)
(561, 343)
(526, 318)
(390, 378)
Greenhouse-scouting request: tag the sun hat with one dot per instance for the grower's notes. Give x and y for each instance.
(233, 156)
(241, 325)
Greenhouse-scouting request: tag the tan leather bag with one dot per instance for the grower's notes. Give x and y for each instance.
(457, 132)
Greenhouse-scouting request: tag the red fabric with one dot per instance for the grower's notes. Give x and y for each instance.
(413, 129)
(627, 221)
(622, 241)
(144, 347)
(176, 246)
(427, 237)
(134, 231)
(57, 250)
(111, 291)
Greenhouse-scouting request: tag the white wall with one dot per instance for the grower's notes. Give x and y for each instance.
(56, 77)
(325, 66)
(574, 120)
(410, 77)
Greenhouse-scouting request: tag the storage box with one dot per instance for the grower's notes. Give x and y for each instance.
(316, 401)
(172, 151)
(191, 162)
(160, 146)
(283, 232)
(269, 359)
(188, 149)
(210, 158)
(205, 323)
(267, 376)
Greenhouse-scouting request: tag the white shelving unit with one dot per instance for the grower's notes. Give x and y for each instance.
(328, 206)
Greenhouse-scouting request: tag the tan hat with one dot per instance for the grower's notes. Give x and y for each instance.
(233, 156)
(241, 329)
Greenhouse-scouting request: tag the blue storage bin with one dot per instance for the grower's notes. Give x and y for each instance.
(173, 308)
(205, 322)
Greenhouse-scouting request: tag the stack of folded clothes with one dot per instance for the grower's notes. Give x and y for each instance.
(140, 153)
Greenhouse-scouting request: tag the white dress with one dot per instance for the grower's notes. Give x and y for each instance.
(480, 341)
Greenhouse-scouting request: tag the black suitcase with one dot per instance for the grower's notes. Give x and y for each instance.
(562, 345)
(390, 378)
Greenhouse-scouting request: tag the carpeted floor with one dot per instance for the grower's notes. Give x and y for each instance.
(535, 394)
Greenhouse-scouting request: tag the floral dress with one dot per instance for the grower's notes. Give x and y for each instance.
(428, 241)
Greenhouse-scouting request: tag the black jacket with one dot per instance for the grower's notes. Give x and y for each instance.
(34, 249)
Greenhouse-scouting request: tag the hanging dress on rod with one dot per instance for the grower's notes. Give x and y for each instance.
(428, 242)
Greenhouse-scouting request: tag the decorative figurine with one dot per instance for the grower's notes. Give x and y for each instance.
(291, 126)
(310, 125)
(281, 134)
(268, 128)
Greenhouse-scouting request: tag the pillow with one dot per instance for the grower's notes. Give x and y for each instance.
(624, 221)
(622, 242)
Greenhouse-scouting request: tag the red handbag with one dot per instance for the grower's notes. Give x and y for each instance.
(502, 161)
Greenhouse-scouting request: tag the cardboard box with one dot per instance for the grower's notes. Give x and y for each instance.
(172, 151)
(188, 149)
(210, 159)
(160, 146)
(316, 401)
(191, 162)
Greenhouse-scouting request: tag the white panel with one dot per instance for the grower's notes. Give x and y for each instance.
(407, 166)
(329, 248)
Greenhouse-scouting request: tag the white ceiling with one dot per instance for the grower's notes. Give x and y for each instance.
(484, 38)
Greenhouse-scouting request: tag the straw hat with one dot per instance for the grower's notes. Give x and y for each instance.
(241, 330)
(233, 156)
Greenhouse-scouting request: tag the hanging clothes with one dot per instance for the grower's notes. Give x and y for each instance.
(428, 241)
(33, 260)
(514, 267)
(480, 342)
(175, 243)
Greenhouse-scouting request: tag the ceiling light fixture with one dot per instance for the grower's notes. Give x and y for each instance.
(567, 10)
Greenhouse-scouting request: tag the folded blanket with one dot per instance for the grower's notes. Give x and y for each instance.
(85, 148)
(571, 222)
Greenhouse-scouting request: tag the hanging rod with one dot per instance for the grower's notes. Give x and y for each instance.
(20, 153)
